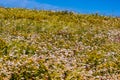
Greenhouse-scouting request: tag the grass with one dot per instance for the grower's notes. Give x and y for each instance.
(47, 45)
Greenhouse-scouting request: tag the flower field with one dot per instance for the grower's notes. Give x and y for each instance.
(62, 45)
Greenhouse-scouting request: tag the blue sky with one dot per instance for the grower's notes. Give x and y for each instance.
(105, 7)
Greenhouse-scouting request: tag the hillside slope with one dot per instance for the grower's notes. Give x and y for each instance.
(60, 45)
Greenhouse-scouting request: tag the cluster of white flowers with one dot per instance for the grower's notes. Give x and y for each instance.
(114, 35)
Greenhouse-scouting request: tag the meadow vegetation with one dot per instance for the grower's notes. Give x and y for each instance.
(62, 45)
